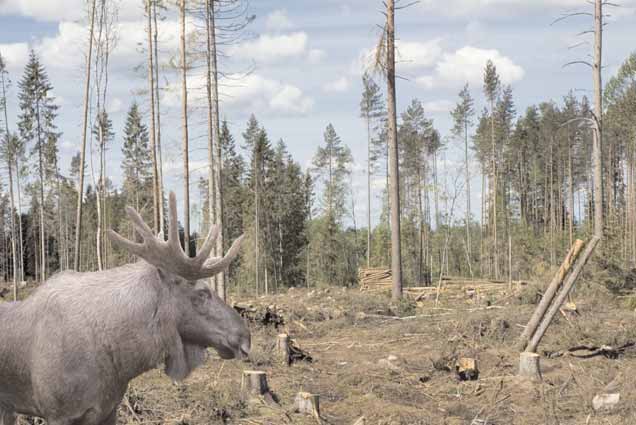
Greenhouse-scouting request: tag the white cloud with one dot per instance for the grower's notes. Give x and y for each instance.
(410, 55)
(438, 106)
(425, 81)
(413, 54)
(63, 10)
(252, 92)
(278, 21)
(271, 48)
(15, 55)
(316, 56)
(337, 86)
(467, 64)
(506, 8)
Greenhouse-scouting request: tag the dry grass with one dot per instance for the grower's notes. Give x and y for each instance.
(349, 333)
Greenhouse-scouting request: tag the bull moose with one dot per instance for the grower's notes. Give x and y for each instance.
(68, 352)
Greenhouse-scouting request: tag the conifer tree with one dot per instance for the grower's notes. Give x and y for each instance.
(36, 124)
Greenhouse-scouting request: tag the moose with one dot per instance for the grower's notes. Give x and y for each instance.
(68, 352)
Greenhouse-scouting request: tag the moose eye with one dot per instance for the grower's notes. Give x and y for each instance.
(204, 293)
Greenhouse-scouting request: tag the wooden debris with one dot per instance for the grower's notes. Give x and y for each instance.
(529, 366)
(466, 369)
(605, 401)
(268, 316)
(308, 404)
(588, 351)
(360, 421)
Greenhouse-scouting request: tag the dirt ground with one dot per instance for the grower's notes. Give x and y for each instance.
(351, 335)
(395, 364)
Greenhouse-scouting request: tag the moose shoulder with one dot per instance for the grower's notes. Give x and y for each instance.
(68, 351)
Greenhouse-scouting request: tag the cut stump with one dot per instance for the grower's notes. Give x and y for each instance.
(466, 369)
(529, 366)
(283, 350)
(254, 387)
(308, 404)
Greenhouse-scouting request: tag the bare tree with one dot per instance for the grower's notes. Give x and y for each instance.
(157, 224)
(184, 100)
(80, 188)
(215, 185)
(396, 250)
(158, 114)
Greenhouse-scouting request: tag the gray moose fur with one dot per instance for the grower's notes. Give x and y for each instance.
(69, 350)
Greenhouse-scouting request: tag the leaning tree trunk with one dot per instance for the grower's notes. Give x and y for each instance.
(80, 189)
(396, 249)
(184, 100)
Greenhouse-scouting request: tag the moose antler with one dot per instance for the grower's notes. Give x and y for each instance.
(169, 255)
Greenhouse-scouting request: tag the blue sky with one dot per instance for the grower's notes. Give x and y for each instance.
(306, 58)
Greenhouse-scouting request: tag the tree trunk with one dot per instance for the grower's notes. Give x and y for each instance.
(80, 189)
(158, 115)
(184, 100)
(215, 186)
(396, 249)
(157, 226)
(368, 190)
(468, 244)
(12, 209)
(598, 114)
(495, 252)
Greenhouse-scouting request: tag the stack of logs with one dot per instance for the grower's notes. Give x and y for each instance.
(376, 280)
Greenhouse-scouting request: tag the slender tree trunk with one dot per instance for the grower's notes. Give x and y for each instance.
(98, 191)
(494, 187)
(468, 244)
(10, 153)
(21, 241)
(184, 99)
(396, 249)
(158, 115)
(156, 199)
(598, 113)
(41, 190)
(80, 189)
(214, 140)
(368, 191)
(570, 193)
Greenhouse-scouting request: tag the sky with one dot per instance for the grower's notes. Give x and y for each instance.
(298, 68)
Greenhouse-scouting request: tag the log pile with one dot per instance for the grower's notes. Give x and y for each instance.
(374, 279)
(378, 280)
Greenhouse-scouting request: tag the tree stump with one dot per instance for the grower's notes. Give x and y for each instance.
(307, 403)
(283, 351)
(254, 383)
(466, 369)
(529, 366)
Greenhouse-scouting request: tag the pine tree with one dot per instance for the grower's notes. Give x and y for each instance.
(462, 119)
(136, 165)
(331, 169)
(492, 87)
(36, 125)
